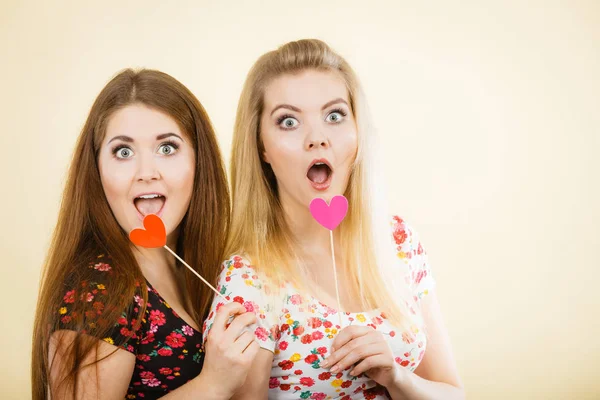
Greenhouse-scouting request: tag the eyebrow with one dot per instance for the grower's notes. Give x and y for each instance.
(159, 137)
(328, 104)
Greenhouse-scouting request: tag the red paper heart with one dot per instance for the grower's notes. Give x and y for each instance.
(154, 235)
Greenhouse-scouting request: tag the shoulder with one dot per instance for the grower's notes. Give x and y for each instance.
(406, 239)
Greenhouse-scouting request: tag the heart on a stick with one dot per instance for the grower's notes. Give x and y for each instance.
(153, 235)
(329, 216)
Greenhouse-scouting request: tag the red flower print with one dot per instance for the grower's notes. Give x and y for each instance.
(238, 264)
(122, 321)
(285, 386)
(187, 330)
(227, 279)
(285, 327)
(314, 322)
(238, 299)
(318, 396)
(346, 384)
(296, 299)
(377, 321)
(219, 305)
(146, 375)
(406, 354)
(298, 372)
(322, 350)
(125, 332)
(66, 319)
(317, 335)
(392, 333)
(306, 339)
(296, 388)
(261, 333)
(251, 306)
(400, 235)
(90, 314)
(165, 371)
(98, 306)
(307, 381)
(324, 376)
(327, 324)
(157, 318)
(405, 363)
(151, 382)
(165, 352)
(143, 357)
(311, 358)
(286, 364)
(298, 331)
(273, 383)
(69, 297)
(283, 345)
(175, 340)
(149, 338)
(237, 258)
(102, 267)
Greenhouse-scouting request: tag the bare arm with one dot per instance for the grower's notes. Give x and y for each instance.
(229, 355)
(436, 377)
(257, 381)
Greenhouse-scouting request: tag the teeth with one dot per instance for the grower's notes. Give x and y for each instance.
(149, 196)
(319, 163)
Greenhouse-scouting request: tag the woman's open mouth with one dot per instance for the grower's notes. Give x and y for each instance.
(149, 203)
(319, 174)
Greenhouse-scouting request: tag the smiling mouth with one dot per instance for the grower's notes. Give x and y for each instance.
(319, 174)
(149, 204)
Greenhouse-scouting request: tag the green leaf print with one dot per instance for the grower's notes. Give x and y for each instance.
(305, 395)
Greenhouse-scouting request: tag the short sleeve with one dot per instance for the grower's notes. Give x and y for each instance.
(83, 309)
(239, 282)
(410, 250)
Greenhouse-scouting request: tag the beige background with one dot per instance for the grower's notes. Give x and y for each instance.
(489, 113)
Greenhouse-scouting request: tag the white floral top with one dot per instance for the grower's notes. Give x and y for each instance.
(299, 343)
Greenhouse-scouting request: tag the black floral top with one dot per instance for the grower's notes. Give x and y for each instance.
(168, 351)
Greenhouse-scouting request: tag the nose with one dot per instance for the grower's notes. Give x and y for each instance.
(147, 169)
(316, 139)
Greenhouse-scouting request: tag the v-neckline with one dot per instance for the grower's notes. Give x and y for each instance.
(166, 303)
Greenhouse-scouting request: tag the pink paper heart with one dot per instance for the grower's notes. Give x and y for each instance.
(330, 216)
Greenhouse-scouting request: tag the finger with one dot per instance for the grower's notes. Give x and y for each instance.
(378, 361)
(242, 342)
(349, 333)
(348, 348)
(252, 350)
(236, 328)
(222, 317)
(361, 353)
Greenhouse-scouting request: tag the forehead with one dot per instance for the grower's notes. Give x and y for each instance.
(138, 120)
(306, 90)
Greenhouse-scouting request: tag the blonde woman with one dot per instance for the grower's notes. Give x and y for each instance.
(302, 132)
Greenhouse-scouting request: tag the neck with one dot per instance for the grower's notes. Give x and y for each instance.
(313, 240)
(156, 264)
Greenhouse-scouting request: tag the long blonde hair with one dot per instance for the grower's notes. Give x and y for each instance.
(259, 229)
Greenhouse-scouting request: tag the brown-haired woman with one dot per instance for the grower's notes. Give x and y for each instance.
(119, 321)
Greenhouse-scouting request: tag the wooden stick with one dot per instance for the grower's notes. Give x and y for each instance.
(197, 274)
(337, 290)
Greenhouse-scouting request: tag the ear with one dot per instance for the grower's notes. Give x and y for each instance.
(265, 157)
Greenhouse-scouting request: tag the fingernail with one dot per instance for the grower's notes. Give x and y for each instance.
(325, 363)
(334, 369)
(351, 372)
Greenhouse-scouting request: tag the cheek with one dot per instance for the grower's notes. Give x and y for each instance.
(115, 182)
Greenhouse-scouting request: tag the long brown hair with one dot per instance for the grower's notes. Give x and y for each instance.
(86, 226)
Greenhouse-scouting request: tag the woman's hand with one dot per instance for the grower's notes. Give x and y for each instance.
(368, 349)
(229, 350)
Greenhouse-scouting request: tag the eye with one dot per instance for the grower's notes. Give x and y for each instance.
(335, 116)
(167, 149)
(287, 122)
(123, 152)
